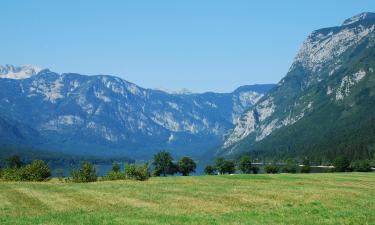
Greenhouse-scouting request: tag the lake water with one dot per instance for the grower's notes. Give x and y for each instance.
(103, 169)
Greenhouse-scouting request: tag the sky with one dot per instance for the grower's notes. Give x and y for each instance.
(201, 45)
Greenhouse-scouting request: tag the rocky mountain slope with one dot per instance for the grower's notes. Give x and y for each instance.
(106, 115)
(323, 107)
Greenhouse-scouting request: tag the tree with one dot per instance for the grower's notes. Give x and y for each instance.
(219, 165)
(115, 167)
(341, 164)
(14, 162)
(86, 173)
(229, 166)
(361, 166)
(224, 166)
(186, 165)
(37, 171)
(305, 166)
(163, 163)
(209, 170)
(290, 166)
(271, 168)
(245, 164)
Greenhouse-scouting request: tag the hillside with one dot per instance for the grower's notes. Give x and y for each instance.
(323, 107)
(106, 116)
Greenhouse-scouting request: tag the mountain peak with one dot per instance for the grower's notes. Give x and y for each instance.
(359, 17)
(18, 72)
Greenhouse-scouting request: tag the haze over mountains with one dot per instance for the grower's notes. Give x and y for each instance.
(106, 115)
(324, 106)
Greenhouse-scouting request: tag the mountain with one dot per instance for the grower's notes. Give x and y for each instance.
(105, 115)
(323, 107)
(18, 72)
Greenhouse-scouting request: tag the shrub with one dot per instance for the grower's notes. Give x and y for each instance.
(86, 173)
(209, 170)
(341, 164)
(112, 175)
(245, 164)
(37, 171)
(115, 173)
(361, 166)
(186, 165)
(271, 168)
(137, 172)
(13, 174)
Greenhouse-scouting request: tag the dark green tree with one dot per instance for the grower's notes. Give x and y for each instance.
(115, 167)
(341, 164)
(163, 163)
(245, 164)
(224, 166)
(186, 165)
(271, 168)
(290, 166)
(361, 166)
(305, 166)
(209, 170)
(14, 162)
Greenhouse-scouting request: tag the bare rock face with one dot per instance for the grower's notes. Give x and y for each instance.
(322, 64)
(107, 115)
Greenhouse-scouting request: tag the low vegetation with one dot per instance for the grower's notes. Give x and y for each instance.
(326, 198)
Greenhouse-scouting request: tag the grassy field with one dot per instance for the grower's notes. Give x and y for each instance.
(341, 198)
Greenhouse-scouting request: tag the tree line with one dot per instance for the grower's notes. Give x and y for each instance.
(163, 164)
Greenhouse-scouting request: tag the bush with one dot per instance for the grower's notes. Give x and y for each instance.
(361, 166)
(115, 173)
(112, 175)
(271, 168)
(245, 164)
(137, 172)
(209, 170)
(86, 173)
(13, 174)
(186, 165)
(37, 171)
(341, 164)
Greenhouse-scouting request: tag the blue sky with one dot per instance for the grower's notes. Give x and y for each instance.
(202, 45)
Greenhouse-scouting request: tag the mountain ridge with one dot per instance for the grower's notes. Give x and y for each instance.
(107, 115)
(323, 74)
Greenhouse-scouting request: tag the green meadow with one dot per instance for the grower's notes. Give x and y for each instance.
(326, 198)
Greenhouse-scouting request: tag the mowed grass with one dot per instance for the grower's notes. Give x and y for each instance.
(340, 198)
